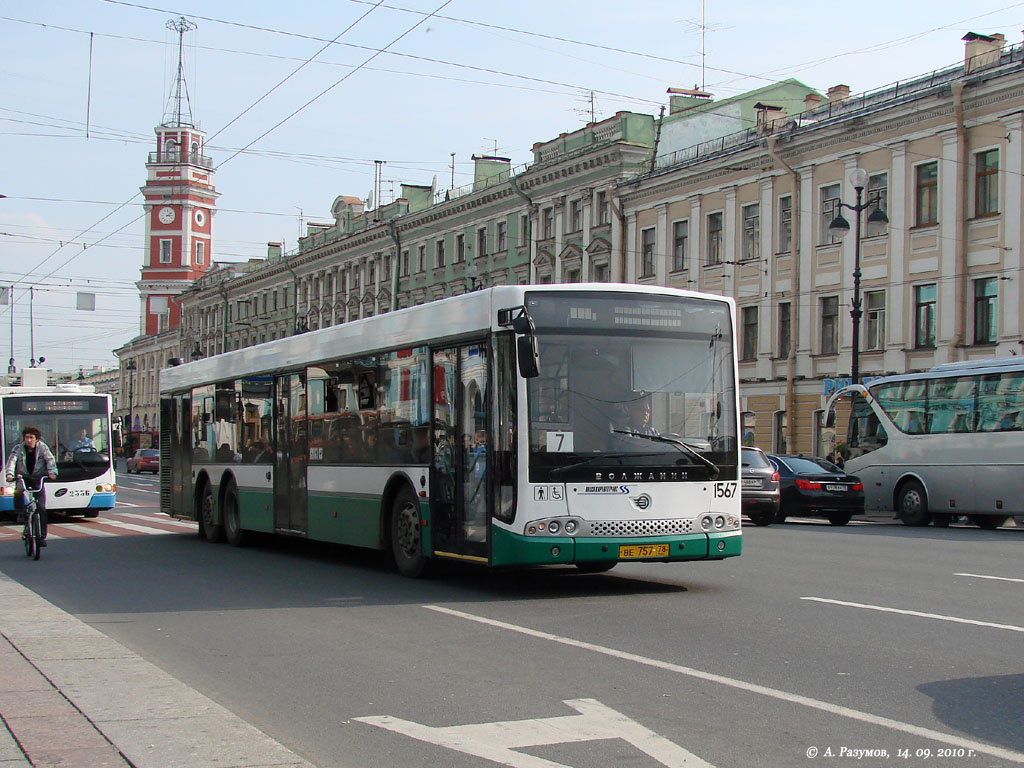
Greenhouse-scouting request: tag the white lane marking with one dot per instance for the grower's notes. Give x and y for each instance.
(131, 527)
(135, 488)
(162, 521)
(496, 741)
(884, 609)
(94, 531)
(994, 578)
(824, 706)
(126, 504)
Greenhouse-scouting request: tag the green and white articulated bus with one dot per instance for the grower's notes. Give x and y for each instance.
(583, 424)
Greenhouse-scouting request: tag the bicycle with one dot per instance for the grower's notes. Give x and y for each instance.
(33, 534)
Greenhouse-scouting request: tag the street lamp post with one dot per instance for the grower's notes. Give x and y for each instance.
(839, 227)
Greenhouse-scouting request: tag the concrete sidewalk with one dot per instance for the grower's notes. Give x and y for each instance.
(72, 697)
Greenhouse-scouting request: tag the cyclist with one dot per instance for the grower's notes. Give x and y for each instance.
(31, 458)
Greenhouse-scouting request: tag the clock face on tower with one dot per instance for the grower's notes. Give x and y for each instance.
(166, 215)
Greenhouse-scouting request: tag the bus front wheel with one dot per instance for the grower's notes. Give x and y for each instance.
(407, 535)
(208, 526)
(912, 504)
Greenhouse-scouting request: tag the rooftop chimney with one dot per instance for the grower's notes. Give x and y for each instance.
(837, 94)
(982, 51)
(274, 251)
(811, 101)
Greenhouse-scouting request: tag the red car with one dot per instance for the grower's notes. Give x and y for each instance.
(145, 460)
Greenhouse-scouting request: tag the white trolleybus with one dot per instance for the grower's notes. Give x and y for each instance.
(75, 424)
(518, 425)
(942, 443)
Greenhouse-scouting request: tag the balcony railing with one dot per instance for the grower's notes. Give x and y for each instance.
(176, 157)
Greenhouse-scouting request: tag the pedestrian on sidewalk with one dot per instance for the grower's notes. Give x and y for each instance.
(31, 459)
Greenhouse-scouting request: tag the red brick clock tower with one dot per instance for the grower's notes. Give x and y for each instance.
(179, 204)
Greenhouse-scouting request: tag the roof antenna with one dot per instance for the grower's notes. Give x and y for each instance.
(179, 96)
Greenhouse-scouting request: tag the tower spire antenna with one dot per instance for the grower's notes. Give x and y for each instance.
(179, 108)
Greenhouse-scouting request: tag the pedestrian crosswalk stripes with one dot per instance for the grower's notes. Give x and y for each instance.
(116, 523)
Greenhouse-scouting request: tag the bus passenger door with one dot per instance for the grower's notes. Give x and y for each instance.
(460, 502)
(290, 453)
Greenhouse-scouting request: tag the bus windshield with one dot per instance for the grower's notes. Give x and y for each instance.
(75, 427)
(615, 373)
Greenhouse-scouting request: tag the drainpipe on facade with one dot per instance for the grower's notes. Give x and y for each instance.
(960, 283)
(657, 139)
(794, 304)
(397, 265)
(224, 326)
(531, 210)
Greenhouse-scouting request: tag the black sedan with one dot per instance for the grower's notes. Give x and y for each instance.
(760, 487)
(812, 486)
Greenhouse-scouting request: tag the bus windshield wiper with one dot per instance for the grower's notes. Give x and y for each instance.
(559, 470)
(684, 447)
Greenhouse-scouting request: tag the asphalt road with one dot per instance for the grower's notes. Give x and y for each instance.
(815, 641)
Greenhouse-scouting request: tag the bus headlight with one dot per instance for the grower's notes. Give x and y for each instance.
(707, 523)
(105, 488)
(571, 526)
(719, 522)
(554, 526)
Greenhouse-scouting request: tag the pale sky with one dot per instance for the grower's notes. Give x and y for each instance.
(477, 77)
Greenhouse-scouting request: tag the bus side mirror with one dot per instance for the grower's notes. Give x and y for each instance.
(529, 356)
(830, 418)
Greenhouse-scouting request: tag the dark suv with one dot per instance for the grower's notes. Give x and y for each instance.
(759, 487)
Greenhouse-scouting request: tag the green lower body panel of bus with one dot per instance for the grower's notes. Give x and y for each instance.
(350, 520)
(257, 510)
(512, 549)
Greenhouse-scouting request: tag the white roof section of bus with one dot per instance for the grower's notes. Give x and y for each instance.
(453, 318)
(946, 370)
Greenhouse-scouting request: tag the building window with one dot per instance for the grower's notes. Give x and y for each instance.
(548, 223)
(371, 274)
(752, 231)
(924, 316)
(785, 328)
(601, 273)
(502, 236)
(421, 259)
(829, 325)
(878, 185)
(926, 193)
(165, 251)
(460, 248)
(524, 229)
(749, 351)
(986, 305)
(780, 436)
(404, 268)
(438, 254)
(876, 320)
(714, 251)
(647, 237)
(481, 242)
(576, 216)
(785, 224)
(986, 182)
(602, 208)
(572, 275)
(680, 244)
(200, 252)
(830, 207)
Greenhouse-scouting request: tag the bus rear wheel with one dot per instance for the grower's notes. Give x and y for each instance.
(407, 535)
(208, 526)
(912, 504)
(236, 536)
(988, 522)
